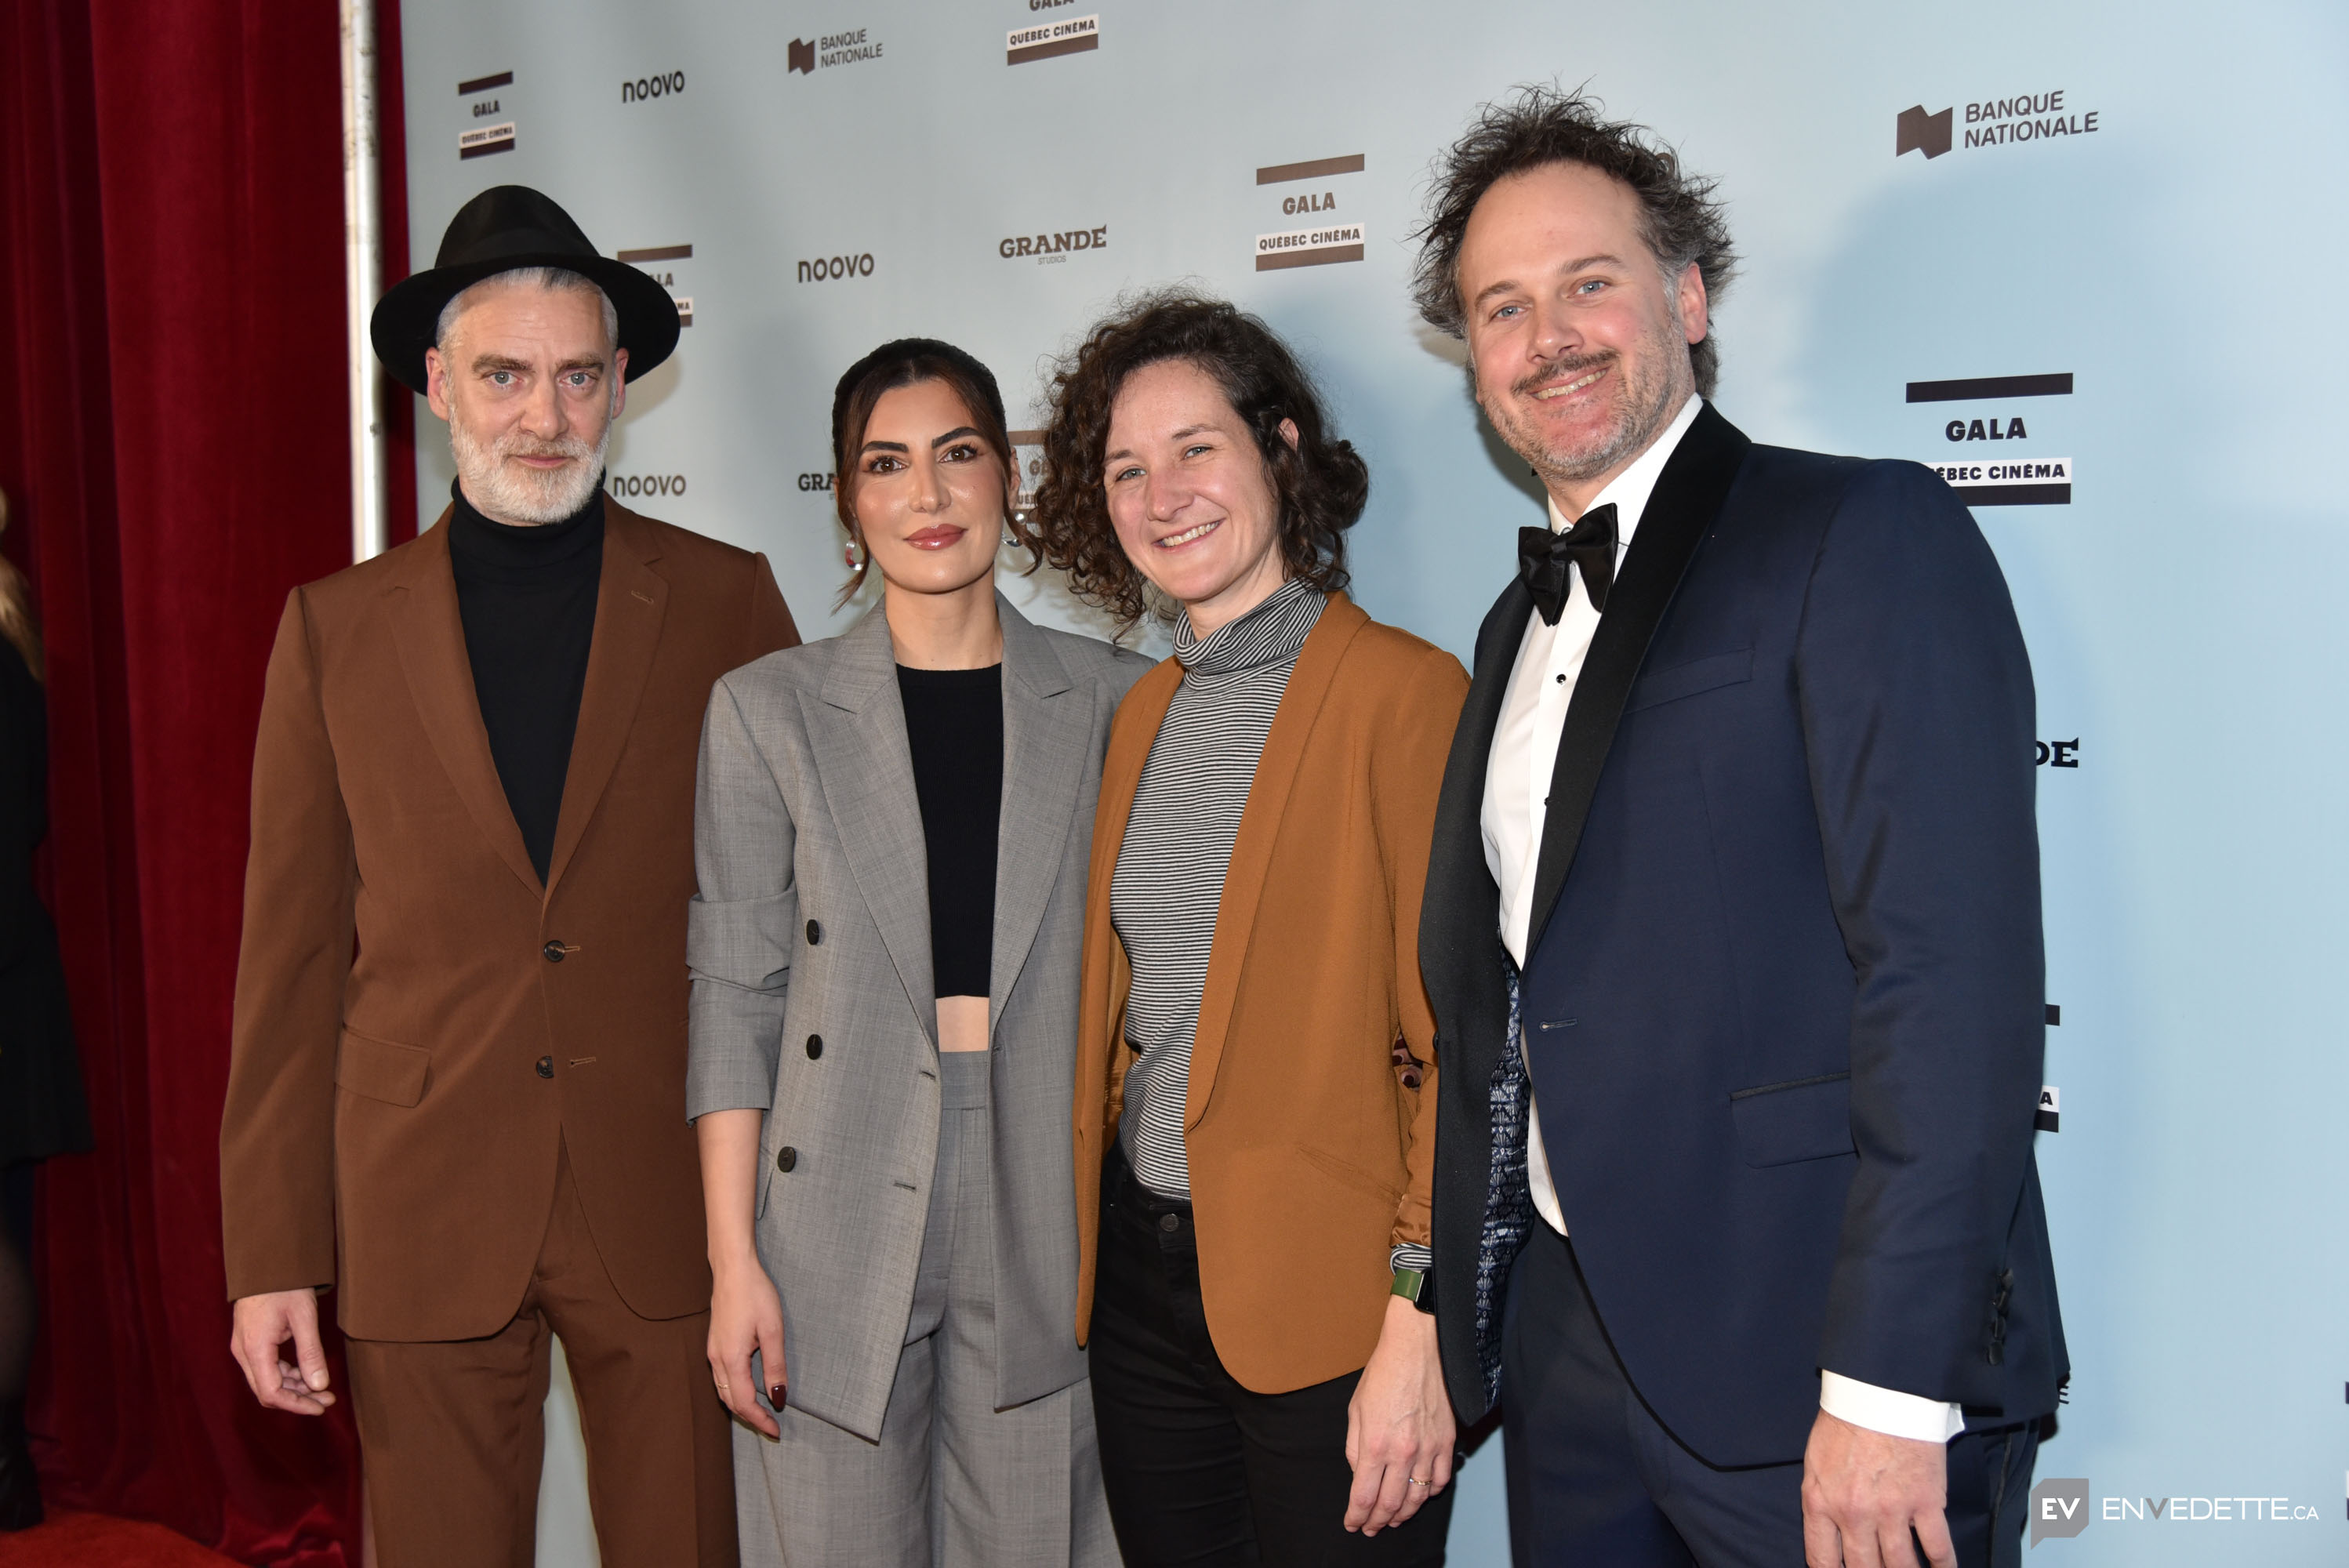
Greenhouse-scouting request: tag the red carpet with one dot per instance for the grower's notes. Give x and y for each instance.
(95, 1540)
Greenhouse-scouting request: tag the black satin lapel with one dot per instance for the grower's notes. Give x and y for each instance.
(1685, 503)
(1459, 915)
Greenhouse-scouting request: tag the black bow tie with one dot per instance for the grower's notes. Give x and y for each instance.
(1543, 558)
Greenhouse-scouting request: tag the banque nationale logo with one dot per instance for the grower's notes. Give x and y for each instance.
(2061, 1507)
(1992, 122)
(852, 47)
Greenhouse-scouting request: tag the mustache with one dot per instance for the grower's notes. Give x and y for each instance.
(1564, 368)
(515, 445)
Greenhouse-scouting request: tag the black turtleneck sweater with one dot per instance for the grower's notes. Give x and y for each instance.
(527, 598)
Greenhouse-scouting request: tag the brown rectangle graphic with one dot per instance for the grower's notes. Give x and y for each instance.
(484, 83)
(1328, 254)
(485, 148)
(1026, 437)
(658, 254)
(1075, 46)
(1313, 170)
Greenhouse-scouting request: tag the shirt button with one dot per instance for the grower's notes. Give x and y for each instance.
(814, 934)
(554, 951)
(786, 1158)
(546, 1066)
(814, 1046)
(1170, 1223)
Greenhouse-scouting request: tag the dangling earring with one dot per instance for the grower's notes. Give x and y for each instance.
(848, 554)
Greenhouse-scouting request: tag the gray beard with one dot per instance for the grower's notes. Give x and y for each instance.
(506, 490)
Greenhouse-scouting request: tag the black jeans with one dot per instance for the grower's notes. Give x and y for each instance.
(1595, 1478)
(1199, 1469)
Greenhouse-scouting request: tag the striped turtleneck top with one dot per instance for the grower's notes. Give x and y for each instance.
(1169, 881)
(1178, 844)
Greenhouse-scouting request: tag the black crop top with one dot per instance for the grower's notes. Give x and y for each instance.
(954, 727)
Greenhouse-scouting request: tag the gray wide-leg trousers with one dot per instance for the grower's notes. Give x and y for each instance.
(953, 1482)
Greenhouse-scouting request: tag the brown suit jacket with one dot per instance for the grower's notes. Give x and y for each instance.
(391, 1126)
(1309, 1154)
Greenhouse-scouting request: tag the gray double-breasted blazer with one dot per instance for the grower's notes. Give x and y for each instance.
(812, 998)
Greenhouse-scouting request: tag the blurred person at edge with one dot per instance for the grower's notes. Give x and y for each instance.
(476, 756)
(893, 832)
(42, 1111)
(1732, 930)
(1256, 1070)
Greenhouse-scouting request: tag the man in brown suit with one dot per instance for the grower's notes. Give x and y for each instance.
(476, 768)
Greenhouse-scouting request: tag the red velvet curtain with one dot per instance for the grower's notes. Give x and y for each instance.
(173, 433)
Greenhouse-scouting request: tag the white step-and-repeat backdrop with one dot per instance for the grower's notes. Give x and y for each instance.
(2079, 256)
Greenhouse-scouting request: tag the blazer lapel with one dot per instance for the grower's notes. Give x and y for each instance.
(1459, 915)
(1686, 501)
(1268, 802)
(431, 637)
(1044, 734)
(867, 772)
(631, 601)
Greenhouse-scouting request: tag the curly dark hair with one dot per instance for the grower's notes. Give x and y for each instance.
(1685, 220)
(1323, 482)
(904, 362)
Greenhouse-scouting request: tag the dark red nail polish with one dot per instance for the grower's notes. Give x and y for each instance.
(775, 1395)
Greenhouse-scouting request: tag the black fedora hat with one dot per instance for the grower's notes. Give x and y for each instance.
(503, 228)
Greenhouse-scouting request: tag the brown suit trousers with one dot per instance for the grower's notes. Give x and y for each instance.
(436, 1057)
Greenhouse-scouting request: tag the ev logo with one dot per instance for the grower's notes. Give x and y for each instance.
(2059, 1508)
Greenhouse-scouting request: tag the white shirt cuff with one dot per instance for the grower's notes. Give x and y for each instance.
(1894, 1414)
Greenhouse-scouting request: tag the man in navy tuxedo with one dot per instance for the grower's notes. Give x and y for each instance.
(1732, 929)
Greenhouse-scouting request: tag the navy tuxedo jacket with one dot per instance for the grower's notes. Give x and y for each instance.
(1784, 989)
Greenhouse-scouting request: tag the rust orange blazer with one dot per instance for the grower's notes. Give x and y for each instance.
(389, 1127)
(1310, 1155)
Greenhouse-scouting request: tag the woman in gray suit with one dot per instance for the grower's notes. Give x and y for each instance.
(892, 835)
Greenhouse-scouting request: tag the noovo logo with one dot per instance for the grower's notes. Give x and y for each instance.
(645, 88)
(644, 484)
(823, 269)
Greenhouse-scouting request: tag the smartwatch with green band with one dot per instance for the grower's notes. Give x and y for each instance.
(1416, 1286)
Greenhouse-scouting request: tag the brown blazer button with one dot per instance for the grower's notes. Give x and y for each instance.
(786, 1156)
(815, 934)
(546, 1066)
(554, 951)
(815, 1046)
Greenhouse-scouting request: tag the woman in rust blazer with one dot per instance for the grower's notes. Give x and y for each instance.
(1255, 1073)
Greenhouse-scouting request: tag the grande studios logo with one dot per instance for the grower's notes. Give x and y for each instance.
(2061, 1507)
(1053, 248)
(1992, 122)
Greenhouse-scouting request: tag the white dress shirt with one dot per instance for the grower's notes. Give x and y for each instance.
(1515, 811)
